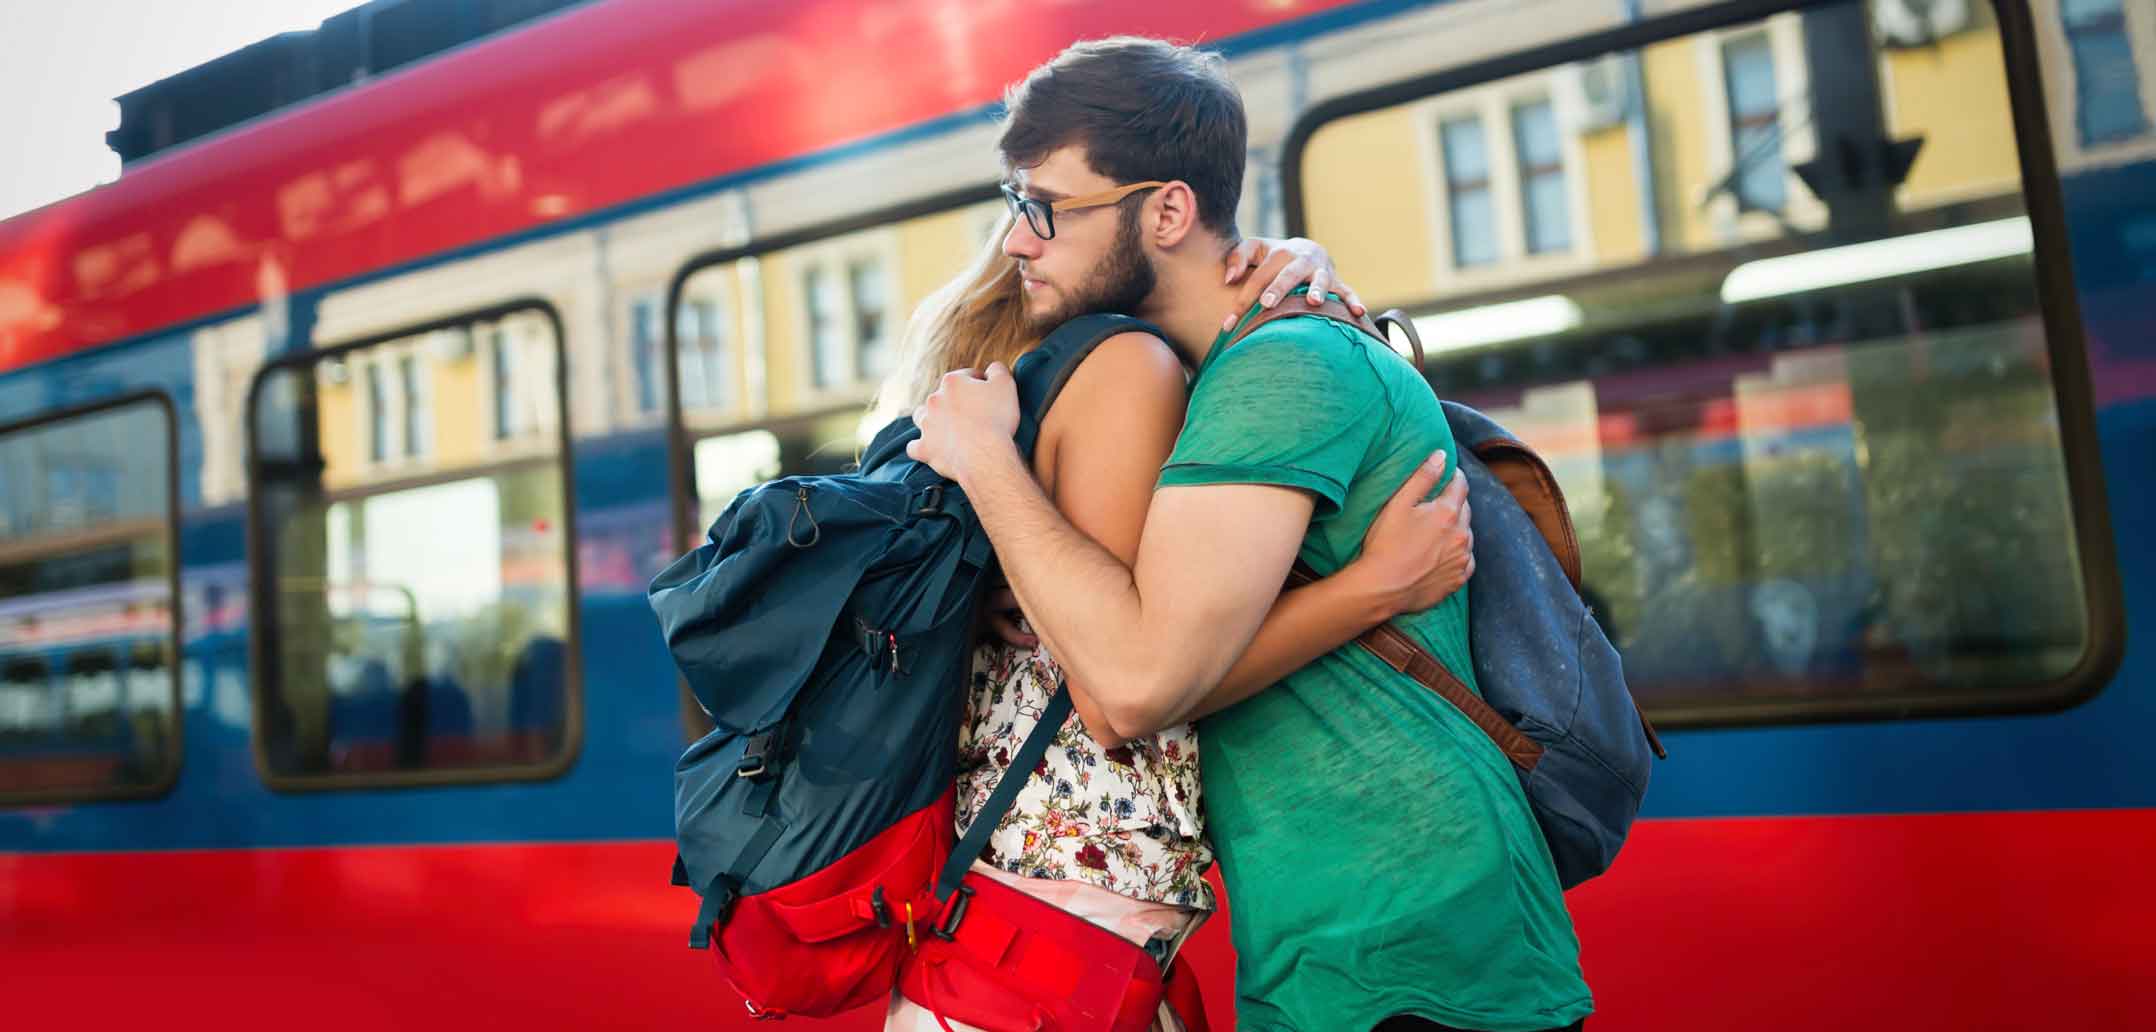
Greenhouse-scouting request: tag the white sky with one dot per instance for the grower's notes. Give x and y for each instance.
(62, 62)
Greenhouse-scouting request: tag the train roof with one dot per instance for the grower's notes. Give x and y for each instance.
(566, 118)
(291, 68)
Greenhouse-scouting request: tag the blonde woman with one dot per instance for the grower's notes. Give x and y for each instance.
(1106, 829)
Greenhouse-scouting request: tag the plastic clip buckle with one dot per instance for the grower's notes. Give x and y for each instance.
(753, 760)
(947, 929)
(881, 909)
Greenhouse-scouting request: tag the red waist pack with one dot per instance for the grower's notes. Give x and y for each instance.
(833, 941)
(1001, 960)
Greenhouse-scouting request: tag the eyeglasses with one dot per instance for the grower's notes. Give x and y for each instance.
(1041, 215)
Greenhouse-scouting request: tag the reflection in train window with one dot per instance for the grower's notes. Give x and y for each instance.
(728, 464)
(814, 327)
(413, 612)
(88, 689)
(818, 326)
(2107, 87)
(707, 374)
(1467, 180)
(1803, 411)
(808, 332)
(1542, 177)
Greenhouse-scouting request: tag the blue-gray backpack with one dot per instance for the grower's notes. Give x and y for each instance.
(826, 626)
(1553, 697)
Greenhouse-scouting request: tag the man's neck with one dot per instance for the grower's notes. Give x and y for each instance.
(1189, 301)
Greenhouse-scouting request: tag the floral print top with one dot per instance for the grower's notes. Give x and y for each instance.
(1125, 819)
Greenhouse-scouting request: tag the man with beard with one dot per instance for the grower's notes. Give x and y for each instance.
(1384, 864)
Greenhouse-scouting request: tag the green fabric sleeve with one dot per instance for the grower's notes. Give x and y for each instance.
(1295, 404)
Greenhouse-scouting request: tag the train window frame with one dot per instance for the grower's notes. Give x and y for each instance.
(169, 776)
(681, 440)
(261, 573)
(2059, 313)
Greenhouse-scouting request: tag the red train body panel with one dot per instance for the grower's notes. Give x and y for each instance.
(1978, 873)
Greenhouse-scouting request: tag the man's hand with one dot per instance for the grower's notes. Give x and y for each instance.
(1418, 553)
(1006, 619)
(970, 419)
(1281, 266)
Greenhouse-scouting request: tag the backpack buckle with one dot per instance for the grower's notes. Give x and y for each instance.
(880, 908)
(931, 501)
(947, 929)
(754, 761)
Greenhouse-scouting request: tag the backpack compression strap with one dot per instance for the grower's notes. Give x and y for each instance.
(1014, 778)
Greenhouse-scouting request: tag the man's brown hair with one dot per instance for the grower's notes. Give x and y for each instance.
(1143, 109)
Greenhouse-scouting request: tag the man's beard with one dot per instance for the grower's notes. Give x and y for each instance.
(1120, 282)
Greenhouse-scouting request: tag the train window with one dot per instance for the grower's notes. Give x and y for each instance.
(89, 691)
(819, 321)
(412, 565)
(1792, 364)
(781, 345)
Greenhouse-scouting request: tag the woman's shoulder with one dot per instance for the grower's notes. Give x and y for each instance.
(1131, 375)
(1133, 357)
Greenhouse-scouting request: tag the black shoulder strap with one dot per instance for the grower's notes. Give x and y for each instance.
(1014, 778)
(1042, 374)
(1043, 371)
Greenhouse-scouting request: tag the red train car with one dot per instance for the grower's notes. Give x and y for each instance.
(336, 449)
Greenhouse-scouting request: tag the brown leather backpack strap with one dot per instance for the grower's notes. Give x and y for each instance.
(1400, 652)
(1529, 480)
(1395, 649)
(1294, 306)
(1394, 318)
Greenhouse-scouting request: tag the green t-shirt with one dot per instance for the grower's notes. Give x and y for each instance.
(1379, 853)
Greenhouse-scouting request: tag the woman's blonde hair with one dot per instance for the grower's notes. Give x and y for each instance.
(976, 319)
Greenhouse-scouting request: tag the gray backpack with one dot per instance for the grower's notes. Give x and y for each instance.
(1553, 696)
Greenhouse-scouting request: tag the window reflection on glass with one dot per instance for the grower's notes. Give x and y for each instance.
(801, 331)
(1467, 184)
(705, 365)
(414, 404)
(88, 689)
(820, 296)
(1755, 130)
(644, 351)
(1820, 466)
(501, 359)
(2107, 85)
(871, 338)
(377, 415)
(521, 359)
(417, 620)
(1542, 178)
(727, 464)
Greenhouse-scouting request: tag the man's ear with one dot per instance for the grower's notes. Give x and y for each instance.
(1172, 214)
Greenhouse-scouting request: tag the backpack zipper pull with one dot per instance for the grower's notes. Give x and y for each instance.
(801, 508)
